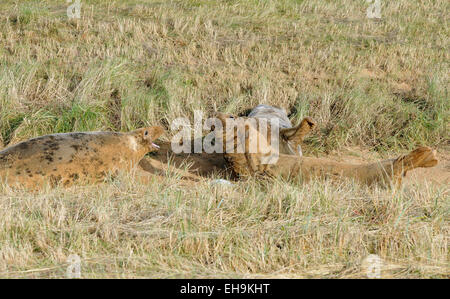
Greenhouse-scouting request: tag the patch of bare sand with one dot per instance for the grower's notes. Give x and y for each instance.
(372, 74)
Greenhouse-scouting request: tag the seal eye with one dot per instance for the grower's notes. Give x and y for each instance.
(146, 133)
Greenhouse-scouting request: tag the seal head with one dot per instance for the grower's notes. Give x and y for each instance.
(145, 137)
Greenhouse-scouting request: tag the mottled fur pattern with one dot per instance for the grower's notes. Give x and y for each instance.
(74, 157)
(289, 165)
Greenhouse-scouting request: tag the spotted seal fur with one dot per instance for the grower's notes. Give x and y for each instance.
(66, 158)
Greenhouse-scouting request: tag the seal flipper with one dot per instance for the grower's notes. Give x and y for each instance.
(298, 133)
(420, 157)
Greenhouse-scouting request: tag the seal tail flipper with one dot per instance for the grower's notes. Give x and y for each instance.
(420, 157)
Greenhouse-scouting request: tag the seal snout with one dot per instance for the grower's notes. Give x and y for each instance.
(150, 134)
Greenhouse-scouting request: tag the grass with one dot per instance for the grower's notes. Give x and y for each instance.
(279, 229)
(376, 84)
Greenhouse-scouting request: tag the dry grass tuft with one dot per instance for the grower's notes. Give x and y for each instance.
(379, 85)
(278, 229)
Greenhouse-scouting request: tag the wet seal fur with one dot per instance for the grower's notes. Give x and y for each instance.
(67, 158)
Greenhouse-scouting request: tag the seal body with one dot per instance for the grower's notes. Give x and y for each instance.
(291, 163)
(70, 157)
(265, 134)
(269, 112)
(290, 137)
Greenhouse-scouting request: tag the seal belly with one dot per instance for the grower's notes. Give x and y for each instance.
(67, 158)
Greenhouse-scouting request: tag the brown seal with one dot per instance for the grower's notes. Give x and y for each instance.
(288, 165)
(70, 157)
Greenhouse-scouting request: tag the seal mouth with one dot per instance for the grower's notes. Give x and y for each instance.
(155, 145)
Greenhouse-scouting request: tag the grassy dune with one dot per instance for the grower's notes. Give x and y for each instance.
(379, 85)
